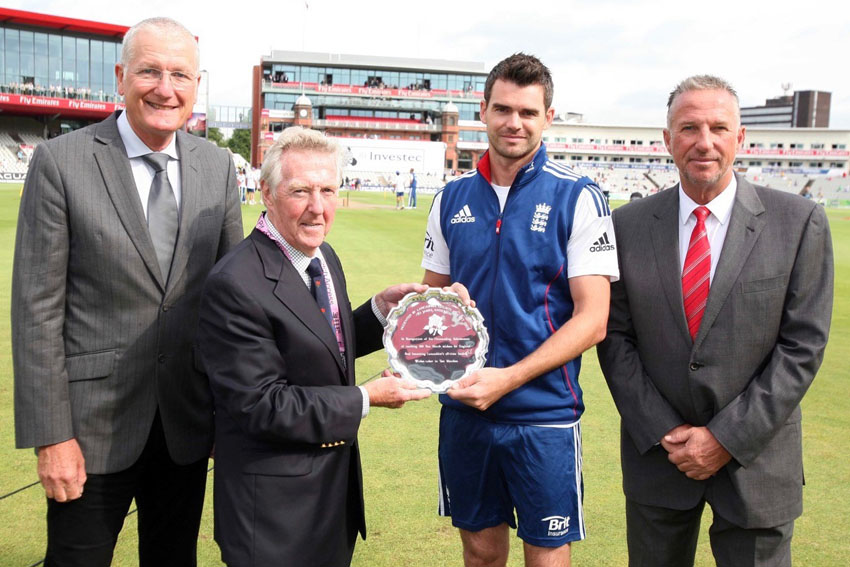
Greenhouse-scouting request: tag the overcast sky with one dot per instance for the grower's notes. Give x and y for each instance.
(613, 61)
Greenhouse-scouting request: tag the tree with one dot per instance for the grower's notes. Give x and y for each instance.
(215, 136)
(240, 143)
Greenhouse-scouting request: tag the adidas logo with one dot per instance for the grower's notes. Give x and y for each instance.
(463, 215)
(602, 245)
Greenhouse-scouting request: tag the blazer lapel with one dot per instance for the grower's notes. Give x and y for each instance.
(190, 203)
(665, 243)
(111, 158)
(294, 295)
(345, 315)
(745, 224)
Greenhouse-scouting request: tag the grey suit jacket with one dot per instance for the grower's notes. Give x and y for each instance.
(759, 346)
(100, 341)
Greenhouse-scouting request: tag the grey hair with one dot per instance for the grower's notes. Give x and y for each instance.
(128, 48)
(297, 138)
(700, 83)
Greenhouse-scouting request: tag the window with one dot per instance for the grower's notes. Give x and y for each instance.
(636, 142)
(817, 146)
(13, 56)
(635, 160)
(578, 140)
(775, 145)
(82, 64)
(839, 146)
(755, 163)
(54, 59)
(575, 158)
(618, 142)
(69, 62)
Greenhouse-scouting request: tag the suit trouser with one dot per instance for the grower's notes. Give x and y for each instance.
(169, 498)
(663, 537)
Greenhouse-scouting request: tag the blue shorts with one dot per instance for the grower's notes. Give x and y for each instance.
(490, 469)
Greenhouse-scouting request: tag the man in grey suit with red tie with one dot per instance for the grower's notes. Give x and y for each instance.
(119, 225)
(717, 328)
(288, 482)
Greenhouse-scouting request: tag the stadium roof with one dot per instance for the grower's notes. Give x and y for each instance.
(394, 63)
(59, 23)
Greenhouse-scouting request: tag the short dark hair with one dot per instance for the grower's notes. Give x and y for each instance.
(522, 70)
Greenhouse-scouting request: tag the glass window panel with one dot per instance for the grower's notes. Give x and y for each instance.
(12, 56)
(82, 63)
(27, 62)
(54, 60)
(40, 55)
(110, 51)
(96, 80)
(2, 55)
(69, 62)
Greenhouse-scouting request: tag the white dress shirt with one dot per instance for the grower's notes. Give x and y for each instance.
(716, 224)
(144, 173)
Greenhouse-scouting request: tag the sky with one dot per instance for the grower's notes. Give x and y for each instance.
(613, 61)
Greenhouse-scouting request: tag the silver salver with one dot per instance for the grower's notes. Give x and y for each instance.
(434, 340)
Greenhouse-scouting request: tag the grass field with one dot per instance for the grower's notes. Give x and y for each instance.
(380, 246)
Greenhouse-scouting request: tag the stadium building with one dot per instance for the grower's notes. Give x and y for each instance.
(371, 98)
(803, 109)
(56, 75)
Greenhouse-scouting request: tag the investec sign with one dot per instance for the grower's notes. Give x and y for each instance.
(386, 159)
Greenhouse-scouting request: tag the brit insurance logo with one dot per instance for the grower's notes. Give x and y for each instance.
(463, 215)
(558, 525)
(540, 218)
(602, 245)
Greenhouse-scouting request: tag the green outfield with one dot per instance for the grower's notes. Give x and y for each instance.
(380, 246)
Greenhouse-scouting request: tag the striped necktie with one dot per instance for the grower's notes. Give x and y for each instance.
(319, 289)
(162, 212)
(695, 275)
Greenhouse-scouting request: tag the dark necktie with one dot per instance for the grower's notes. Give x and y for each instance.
(319, 289)
(695, 275)
(162, 212)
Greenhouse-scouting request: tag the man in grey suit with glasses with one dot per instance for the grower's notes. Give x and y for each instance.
(119, 225)
(717, 328)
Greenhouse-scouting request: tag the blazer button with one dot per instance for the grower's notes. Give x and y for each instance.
(161, 358)
(695, 366)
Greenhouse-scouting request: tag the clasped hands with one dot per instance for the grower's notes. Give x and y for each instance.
(695, 451)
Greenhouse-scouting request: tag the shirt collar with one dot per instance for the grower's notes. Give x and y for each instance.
(298, 258)
(135, 146)
(720, 206)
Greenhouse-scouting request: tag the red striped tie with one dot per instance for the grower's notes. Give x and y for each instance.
(695, 275)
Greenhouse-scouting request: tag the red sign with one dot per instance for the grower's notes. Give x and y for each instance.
(793, 153)
(373, 91)
(79, 107)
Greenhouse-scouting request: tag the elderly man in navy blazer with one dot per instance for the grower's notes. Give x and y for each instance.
(278, 339)
(717, 328)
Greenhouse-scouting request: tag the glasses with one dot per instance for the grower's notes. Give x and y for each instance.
(180, 80)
